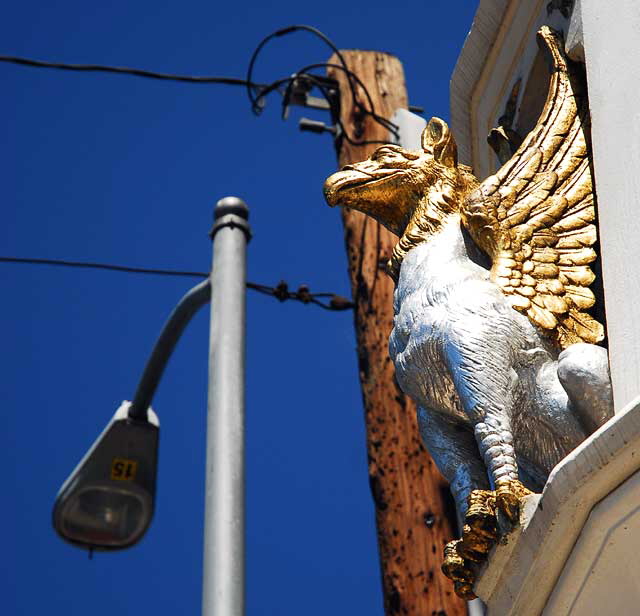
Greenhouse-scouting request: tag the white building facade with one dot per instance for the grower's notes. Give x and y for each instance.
(578, 548)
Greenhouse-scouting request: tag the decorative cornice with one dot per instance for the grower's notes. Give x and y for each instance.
(500, 48)
(469, 67)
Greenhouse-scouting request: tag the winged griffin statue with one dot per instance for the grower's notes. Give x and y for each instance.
(500, 355)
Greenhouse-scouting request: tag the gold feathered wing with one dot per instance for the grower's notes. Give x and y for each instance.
(535, 217)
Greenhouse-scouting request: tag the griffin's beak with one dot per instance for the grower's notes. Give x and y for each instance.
(340, 180)
(338, 184)
(368, 188)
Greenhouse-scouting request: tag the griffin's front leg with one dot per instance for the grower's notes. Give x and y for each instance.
(455, 452)
(495, 441)
(479, 530)
(479, 355)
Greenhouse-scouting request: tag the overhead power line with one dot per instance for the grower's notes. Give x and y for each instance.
(257, 92)
(103, 266)
(231, 81)
(280, 292)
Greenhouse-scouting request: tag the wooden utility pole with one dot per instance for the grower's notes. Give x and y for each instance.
(414, 511)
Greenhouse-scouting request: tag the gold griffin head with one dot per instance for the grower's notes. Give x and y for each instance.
(410, 193)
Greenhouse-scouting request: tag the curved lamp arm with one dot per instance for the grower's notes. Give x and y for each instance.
(182, 314)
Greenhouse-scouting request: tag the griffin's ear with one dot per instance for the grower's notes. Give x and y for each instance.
(438, 140)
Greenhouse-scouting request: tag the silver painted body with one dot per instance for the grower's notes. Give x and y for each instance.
(491, 402)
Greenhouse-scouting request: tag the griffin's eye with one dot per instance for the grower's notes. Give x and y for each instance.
(387, 152)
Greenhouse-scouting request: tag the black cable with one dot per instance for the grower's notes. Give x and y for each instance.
(322, 86)
(343, 130)
(274, 86)
(280, 292)
(128, 71)
(262, 89)
(386, 123)
(288, 30)
(103, 266)
(352, 78)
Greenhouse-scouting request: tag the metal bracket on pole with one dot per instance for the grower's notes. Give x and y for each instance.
(182, 314)
(231, 212)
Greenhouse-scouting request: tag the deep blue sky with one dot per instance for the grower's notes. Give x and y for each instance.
(126, 170)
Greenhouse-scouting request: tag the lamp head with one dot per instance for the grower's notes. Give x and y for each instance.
(107, 501)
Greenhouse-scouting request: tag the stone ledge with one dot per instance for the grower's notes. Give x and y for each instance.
(523, 571)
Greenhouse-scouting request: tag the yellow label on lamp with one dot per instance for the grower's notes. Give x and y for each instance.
(123, 469)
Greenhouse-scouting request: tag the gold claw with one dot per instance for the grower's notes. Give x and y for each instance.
(459, 570)
(479, 533)
(464, 590)
(454, 566)
(508, 496)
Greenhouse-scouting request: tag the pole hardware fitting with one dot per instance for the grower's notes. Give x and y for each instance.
(233, 221)
(315, 126)
(341, 303)
(303, 294)
(281, 292)
(298, 93)
(231, 212)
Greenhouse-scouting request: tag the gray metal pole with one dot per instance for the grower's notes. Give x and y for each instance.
(223, 577)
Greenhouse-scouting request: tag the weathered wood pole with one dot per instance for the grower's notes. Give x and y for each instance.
(414, 513)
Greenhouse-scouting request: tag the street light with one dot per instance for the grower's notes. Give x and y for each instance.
(107, 501)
